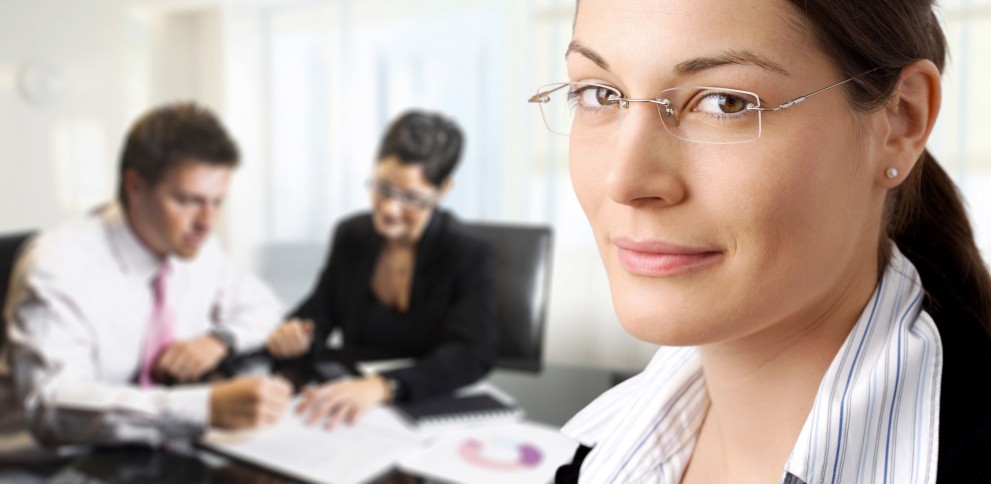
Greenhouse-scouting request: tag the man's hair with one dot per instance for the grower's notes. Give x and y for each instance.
(172, 134)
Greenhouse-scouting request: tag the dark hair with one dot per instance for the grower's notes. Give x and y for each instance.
(426, 139)
(171, 134)
(925, 216)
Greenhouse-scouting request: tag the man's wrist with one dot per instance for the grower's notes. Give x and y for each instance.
(225, 337)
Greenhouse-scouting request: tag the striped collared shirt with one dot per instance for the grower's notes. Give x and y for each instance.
(875, 418)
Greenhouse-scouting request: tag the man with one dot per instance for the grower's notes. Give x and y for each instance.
(104, 310)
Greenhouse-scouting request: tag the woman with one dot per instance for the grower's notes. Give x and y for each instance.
(404, 281)
(806, 264)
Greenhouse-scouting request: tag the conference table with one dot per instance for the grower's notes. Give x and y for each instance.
(550, 396)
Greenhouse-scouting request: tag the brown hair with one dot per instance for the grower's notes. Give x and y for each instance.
(925, 216)
(171, 134)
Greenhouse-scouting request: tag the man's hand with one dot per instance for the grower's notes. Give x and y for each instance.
(187, 361)
(290, 339)
(248, 402)
(342, 400)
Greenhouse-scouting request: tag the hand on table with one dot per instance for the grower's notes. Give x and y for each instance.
(188, 360)
(291, 338)
(344, 400)
(248, 402)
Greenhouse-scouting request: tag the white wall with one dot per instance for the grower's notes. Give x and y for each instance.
(56, 154)
(100, 64)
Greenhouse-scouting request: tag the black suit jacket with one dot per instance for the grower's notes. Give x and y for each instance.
(965, 391)
(451, 322)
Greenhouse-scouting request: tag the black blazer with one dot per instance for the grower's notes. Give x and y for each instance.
(965, 390)
(450, 327)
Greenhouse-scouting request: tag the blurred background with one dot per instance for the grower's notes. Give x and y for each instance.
(308, 86)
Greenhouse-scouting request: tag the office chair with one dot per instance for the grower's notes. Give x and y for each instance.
(10, 246)
(523, 278)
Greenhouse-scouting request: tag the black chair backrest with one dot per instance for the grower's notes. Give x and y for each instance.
(523, 277)
(10, 246)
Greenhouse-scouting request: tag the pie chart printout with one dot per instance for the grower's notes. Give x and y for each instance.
(500, 453)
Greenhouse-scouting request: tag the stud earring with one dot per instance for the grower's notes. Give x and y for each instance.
(891, 172)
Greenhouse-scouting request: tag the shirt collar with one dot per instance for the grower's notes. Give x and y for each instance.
(876, 413)
(132, 255)
(644, 430)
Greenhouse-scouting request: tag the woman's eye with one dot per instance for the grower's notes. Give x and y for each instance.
(722, 103)
(595, 96)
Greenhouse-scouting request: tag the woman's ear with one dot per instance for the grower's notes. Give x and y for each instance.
(909, 118)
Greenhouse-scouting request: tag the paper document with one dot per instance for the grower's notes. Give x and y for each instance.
(344, 455)
(520, 453)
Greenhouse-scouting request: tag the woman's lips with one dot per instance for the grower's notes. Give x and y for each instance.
(659, 258)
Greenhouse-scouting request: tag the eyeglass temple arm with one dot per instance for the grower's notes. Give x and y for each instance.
(544, 97)
(783, 106)
(813, 93)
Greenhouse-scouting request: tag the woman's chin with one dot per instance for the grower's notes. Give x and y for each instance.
(390, 231)
(667, 327)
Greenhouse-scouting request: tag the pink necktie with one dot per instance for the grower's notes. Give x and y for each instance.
(159, 327)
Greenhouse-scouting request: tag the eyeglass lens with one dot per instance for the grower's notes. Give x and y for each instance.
(699, 114)
(406, 198)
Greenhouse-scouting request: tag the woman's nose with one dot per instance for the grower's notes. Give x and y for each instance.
(647, 161)
(389, 205)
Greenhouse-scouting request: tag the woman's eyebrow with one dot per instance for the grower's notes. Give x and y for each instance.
(692, 66)
(576, 46)
(738, 57)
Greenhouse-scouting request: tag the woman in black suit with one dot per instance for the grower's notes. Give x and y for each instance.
(406, 280)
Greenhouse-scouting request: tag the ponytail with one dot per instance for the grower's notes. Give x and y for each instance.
(927, 220)
(925, 216)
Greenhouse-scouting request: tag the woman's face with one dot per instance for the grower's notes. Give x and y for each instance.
(708, 243)
(403, 199)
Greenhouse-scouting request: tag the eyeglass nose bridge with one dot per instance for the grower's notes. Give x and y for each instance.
(664, 106)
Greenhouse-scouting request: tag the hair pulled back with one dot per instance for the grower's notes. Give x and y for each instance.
(925, 215)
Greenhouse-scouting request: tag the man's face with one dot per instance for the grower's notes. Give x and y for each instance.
(176, 215)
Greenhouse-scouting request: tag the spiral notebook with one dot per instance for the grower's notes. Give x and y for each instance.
(455, 411)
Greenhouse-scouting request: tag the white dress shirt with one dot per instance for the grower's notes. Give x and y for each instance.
(78, 313)
(875, 418)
